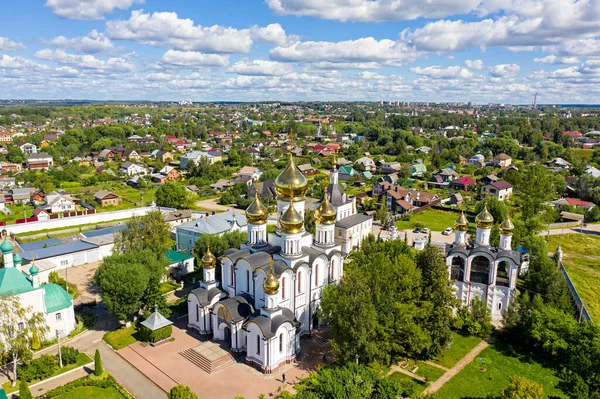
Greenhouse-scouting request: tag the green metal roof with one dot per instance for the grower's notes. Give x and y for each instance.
(13, 282)
(347, 169)
(3, 394)
(56, 298)
(176, 257)
(6, 246)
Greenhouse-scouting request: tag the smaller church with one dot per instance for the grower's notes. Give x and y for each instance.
(479, 270)
(49, 299)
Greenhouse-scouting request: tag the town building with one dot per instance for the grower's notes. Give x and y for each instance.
(133, 169)
(502, 160)
(106, 198)
(39, 161)
(499, 189)
(28, 148)
(186, 234)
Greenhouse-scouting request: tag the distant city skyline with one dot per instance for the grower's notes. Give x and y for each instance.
(293, 50)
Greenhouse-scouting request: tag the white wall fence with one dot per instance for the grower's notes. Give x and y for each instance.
(101, 217)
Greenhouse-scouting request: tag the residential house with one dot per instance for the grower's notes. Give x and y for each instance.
(41, 214)
(28, 148)
(106, 198)
(58, 203)
(423, 150)
(558, 164)
(502, 160)
(381, 187)
(222, 184)
(418, 170)
(447, 175)
(177, 217)
(7, 182)
(6, 137)
(462, 160)
(389, 167)
(572, 202)
(462, 183)
(456, 199)
(38, 197)
(592, 171)
(188, 233)
(476, 159)
(131, 155)
(367, 163)
(132, 169)
(170, 172)
(158, 178)
(347, 172)
(180, 264)
(21, 195)
(40, 160)
(7, 167)
(307, 169)
(163, 156)
(53, 135)
(391, 178)
(195, 156)
(499, 189)
(250, 172)
(265, 189)
(488, 179)
(106, 154)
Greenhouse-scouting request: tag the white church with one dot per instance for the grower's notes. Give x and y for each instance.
(481, 271)
(49, 299)
(270, 288)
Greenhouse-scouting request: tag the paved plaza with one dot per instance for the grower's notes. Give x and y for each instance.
(166, 367)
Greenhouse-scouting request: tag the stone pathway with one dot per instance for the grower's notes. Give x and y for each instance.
(469, 357)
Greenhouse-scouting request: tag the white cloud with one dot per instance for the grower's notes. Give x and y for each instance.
(8, 62)
(271, 34)
(194, 59)
(326, 65)
(87, 9)
(260, 68)
(474, 64)
(159, 77)
(505, 70)
(93, 43)
(166, 29)
(88, 62)
(9, 45)
(554, 60)
(372, 10)
(362, 50)
(439, 72)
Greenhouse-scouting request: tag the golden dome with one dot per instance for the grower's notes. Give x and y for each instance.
(507, 227)
(484, 220)
(271, 284)
(461, 223)
(326, 213)
(208, 260)
(257, 213)
(291, 183)
(291, 221)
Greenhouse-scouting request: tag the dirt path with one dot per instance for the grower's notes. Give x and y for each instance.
(439, 366)
(212, 205)
(408, 373)
(457, 368)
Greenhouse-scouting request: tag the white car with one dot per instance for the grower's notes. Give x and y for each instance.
(425, 230)
(447, 232)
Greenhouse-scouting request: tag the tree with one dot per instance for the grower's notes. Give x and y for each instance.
(181, 392)
(522, 388)
(15, 155)
(219, 243)
(17, 325)
(98, 369)
(146, 232)
(496, 207)
(171, 195)
(382, 213)
(310, 221)
(24, 391)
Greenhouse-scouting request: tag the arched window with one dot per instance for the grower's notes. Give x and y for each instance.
(281, 342)
(317, 275)
(258, 344)
(480, 270)
(232, 276)
(283, 288)
(457, 270)
(299, 289)
(502, 274)
(332, 271)
(247, 280)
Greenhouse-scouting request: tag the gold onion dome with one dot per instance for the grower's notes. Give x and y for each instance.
(291, 183)
(257, 213)
(484, 220)
(291, 221)
(271, 284)
(209, 260)
(507, 227)
(461, 223)
(326, 213)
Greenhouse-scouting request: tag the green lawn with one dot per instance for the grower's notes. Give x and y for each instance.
(478, 379)
(91, 393)
(581, 258)
(459, 347)
(122, 337)
(82, 359)
(431, 373)
(434, 219)
(17, 213)
(168, 286)
(416, 384)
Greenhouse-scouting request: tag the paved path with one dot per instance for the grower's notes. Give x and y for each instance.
(408, 373)
(60, 381)
(439, 366)
(437, 384)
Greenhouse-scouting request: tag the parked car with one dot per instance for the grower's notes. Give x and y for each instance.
(447, 232)
(417, 230)
(425, 230)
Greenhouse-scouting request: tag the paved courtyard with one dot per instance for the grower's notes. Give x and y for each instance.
(166, 368)
(81, 277)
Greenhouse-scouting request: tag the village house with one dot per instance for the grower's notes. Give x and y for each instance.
(367, 163)
(462, 183)
(560, 204)
(28, 148)
(447, 175)
(170, 172)
(58, 203)
(499, 189)
(347, 172)
(307, 169)
(106, 198)
(250, 172)
(195, 156)
(502, 160)
(131, 155)
(131, 169)
(418, 170)
(163, 156)
(40, 160)
(222, 184)
(6, 137)
(389, 167)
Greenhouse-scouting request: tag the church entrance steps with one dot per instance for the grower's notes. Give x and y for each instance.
(209, 357)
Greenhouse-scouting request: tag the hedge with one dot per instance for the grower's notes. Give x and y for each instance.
(106, 383)
(156, 336)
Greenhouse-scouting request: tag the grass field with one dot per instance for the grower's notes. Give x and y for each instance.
(431, 373)
(91, 393)
(418, 386)
(459, 347)
(581, 258)
(478, 379)
(434, 219)
(122, 337)
(17, 213)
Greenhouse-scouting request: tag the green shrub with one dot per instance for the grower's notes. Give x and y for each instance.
(98, 369)
(38, 369)
(69, 355)
(24, 391)
(103, 384)
(155, 336)
(181, 392)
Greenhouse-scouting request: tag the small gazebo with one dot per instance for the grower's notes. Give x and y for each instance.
(156, 328)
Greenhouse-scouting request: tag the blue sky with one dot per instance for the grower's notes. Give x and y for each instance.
(260, 50)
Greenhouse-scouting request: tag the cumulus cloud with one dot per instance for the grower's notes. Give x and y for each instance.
(166, 29)
(474, 64)
(439, 72)
(194, 59)
(364, 50)
(8, 62)
(9, 45)
(554, 60)
(505, 70)
(372, 10)
(88, 62)
(87, 9)
(260, 68)
(93, 43)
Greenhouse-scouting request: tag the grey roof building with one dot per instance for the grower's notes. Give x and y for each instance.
(187, 233)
